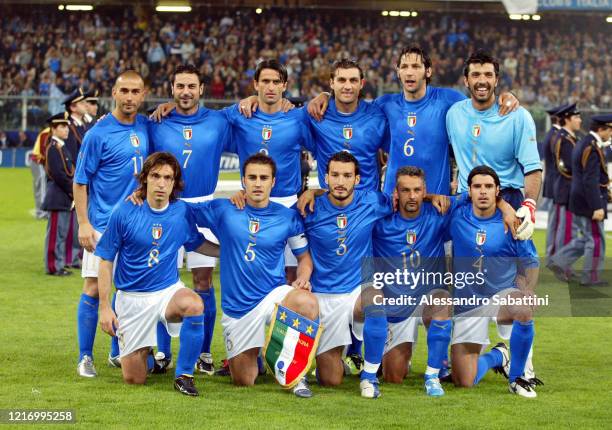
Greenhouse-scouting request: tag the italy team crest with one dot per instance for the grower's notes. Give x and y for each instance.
(347, 133)
(266, 133)
(156, 231)
(253, 226)
(187, 133)
(411, 120)
(476, 131)
(481, 237)
(411, 237)
(342, 221)
(134, 140)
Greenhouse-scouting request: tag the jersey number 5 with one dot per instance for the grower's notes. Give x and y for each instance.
(249, 254)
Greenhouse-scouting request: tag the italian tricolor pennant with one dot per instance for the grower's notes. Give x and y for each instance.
(291, 345)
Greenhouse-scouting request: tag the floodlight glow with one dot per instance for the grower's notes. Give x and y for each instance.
(258, 10)
(385, 13)
(515, 17)
(394, 13)
(536, 17)
(415, 13)
(61, 7)
(609, 19)
(79, 7)
(167, 8)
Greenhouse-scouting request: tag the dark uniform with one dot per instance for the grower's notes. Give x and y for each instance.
(59, 166)
(588, 193)
(562, 147)
(73, 145)
(91, 97)
(547, 155)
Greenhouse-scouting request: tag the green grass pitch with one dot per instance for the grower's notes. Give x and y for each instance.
(39, 351)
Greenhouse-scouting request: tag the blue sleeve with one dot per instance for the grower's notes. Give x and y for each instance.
(526, 145)
(383, 204)
(231, 113)
(89, 158)
(112, 239)
(526, 254)
(453, 96)
(308, 140)
(386, 142)
(204, 213)
(194, 237)
(297, 236)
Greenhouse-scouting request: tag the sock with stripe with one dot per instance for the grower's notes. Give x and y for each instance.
(374, 337)
(87, 323)
(438, 338)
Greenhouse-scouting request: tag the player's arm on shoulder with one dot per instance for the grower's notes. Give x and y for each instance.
(508, 102)
(318, 105)
(162, 110)
(307, 200)
(441, 202)
(204, 214)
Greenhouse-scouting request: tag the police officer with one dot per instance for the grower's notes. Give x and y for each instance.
(549, 169)
(588, 202)
(76, 107)
(562, 146)
(59, 166)
(91, 107)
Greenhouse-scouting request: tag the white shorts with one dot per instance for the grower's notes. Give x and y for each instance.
(287, 202)
(249, 331)
(90, 266)
(336, 313)
(473, 326)
(407, 331)
(194, 259)
(138, 315)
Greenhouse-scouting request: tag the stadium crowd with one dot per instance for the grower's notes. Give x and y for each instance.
(545, 63)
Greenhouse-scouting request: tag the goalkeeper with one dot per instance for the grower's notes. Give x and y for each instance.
(479, 135)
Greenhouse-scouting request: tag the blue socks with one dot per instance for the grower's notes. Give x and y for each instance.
(438, 338)
(521, 340)
(164, 341)
(190, 343)
(210, 315)
(355, 347)
(487, 361)
(87, 322)
(374, 337)
(114, 351)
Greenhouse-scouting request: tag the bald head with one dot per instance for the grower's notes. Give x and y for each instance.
(128, 93)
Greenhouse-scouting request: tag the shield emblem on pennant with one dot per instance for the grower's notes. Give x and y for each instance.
(411, 120)
(291, 345)
(347, 133)
(411, 237)
(187, 133)
(134, 140)
(481, 237)
(156, 232)
(266, 133)
(476, 131)
(253, 226)
(342, 221)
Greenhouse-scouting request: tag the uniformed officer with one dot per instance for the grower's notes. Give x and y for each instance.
(547, 155)
(589, 196)
(76, 107)
(59, 166)
(90, 117)
(562, 146)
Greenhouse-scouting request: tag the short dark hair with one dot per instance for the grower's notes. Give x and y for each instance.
(596, 126)
(160, 159)
(480, 57)
(260, 158)
(271, 64)
(189, 69)
(425, 58)
(345, 63)
(483, 170)
(410, 171)
(344, 157)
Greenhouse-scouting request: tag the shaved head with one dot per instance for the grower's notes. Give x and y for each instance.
(128, 93)
(129, 75)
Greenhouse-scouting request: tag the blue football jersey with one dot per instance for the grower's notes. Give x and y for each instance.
(110, 159)
(505, 143)
(418, 136)
(197, 141)
(362, 133)
(252, 243)
(414, 245)
(340, 240)
(280, 135)
(146, 243)
(481, 248)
